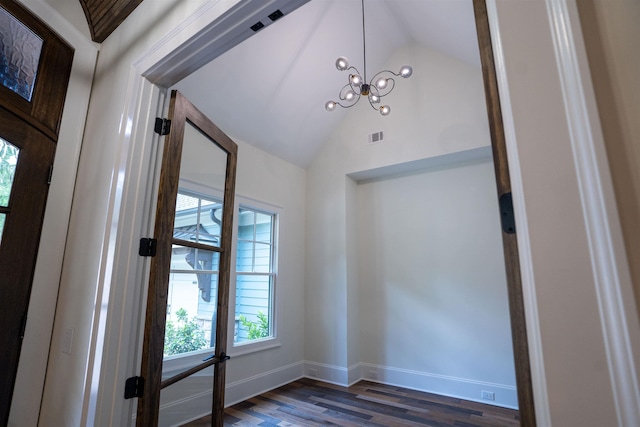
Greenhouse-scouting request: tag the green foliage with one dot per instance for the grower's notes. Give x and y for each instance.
(8, 159)
(183, 336)
(256, 330)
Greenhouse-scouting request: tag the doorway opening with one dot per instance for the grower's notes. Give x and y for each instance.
(352, 357)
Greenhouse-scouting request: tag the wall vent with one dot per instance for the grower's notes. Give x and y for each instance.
(376, 137)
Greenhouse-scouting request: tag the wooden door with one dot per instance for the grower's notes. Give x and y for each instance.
(35, 65)
(192, 136)
(509, 239)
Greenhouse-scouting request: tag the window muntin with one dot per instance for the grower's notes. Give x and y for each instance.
(20, 50)
(255, 275)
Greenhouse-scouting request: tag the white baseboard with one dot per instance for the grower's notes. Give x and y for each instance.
(462, 388)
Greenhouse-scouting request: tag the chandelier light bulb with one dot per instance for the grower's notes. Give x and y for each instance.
(385, 110)
(356, 80)
(349, 95)
(342, 63)
(406, 71)
(374, 99)
(381, 83)
(330, 105)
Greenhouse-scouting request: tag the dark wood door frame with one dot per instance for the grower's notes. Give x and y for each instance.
(181, 113)
(509, 240)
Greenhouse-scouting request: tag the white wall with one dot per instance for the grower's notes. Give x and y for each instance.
(432, 284)
(440, 110)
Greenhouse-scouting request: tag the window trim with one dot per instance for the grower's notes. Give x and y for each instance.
(248, 347)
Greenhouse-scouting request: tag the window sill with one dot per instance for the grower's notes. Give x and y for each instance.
(172, 365)
(243, 349)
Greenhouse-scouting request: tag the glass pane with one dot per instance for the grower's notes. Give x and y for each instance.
(20, 52)
(262, 258)
(8, 160)
(191, 303)
(2, 217)
(264, 226)
(244, 256)
(253, 306)
(198, 218)
(203, 165)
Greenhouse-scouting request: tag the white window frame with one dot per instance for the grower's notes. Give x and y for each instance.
(246, 347)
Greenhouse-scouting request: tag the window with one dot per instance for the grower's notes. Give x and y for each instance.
(193, 279)
(255, 275)
(20, 50)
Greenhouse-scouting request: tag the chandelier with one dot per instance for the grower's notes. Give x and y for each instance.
(379, 86)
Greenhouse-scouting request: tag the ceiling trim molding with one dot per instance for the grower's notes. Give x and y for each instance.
(231, 29)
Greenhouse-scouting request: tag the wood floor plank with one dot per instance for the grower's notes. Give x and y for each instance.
(312, 403)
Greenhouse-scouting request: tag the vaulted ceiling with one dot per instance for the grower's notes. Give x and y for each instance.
(270, 90)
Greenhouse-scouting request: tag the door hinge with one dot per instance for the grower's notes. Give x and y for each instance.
(148, 247)
(162, 126)
(134, 387)
(50, 175)
(506, 214)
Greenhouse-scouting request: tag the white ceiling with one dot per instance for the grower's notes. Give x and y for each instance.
(270, 90)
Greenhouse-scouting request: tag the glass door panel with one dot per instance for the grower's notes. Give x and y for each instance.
(187, 306)
(8, 161)
(20, 50)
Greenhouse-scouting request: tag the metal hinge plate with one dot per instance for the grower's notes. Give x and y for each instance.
(134, 387)
(506, 214)
(148, 247)
(162, 126)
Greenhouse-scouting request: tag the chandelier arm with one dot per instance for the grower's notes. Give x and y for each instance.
(371, 103)
(350, 105)
(343, 91)
(382, 72)
(353, 68)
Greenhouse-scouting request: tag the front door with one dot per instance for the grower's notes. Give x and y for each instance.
(196, 155)
(35, 66)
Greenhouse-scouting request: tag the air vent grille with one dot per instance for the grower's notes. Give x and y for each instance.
(376, 137)
(257, 26)
(276, 15)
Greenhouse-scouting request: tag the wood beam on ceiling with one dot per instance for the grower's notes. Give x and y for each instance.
(104, 16)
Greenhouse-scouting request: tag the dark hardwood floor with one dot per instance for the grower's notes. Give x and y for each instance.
(308, 402)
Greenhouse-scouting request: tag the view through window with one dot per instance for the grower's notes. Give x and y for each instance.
(193, 281)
